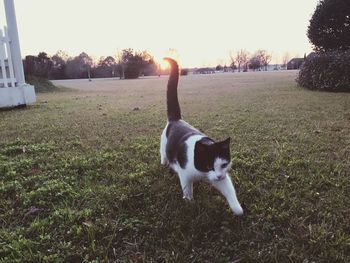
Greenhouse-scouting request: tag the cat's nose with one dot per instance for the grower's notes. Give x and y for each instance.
(220, 177)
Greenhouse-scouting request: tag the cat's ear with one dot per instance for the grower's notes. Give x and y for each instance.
(201, 147)
(225, 144)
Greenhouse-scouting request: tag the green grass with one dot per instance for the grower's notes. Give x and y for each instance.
(81, 181)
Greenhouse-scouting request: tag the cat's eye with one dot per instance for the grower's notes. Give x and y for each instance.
(223, 166)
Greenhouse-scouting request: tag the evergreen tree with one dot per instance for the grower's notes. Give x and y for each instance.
(329, 27)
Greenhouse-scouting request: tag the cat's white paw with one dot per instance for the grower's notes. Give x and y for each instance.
(164, 161)
(188, 198)
(238, 211)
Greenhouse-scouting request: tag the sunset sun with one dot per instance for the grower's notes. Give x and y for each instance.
(163, 64)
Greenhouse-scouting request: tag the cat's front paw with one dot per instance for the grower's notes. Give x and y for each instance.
(164, 162)
(187, 198)
(237, 211)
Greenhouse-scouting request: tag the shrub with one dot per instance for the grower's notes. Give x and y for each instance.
(184, 72)
(132, 71)
(39, 66)
(326, 71)
(41, 84)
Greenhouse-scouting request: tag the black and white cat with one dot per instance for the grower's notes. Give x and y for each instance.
(193, 155)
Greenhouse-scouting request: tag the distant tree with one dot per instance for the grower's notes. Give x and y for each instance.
(184, 72)
(232, 66)
(285, 59)
(264, 58)
(39, 66)
(87, 63)
(59, 61)
(219, 68)
(150, 68)
(137, 63)
(73, 70)
(132, 62)
(120, 64)
(254, 63)
(79, 66)
(105, 68)
(241, 59)
(232, 58)
(107, 62)
(43, 56)
(329, 27)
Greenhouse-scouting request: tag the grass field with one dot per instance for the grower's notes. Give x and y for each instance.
(81, 181)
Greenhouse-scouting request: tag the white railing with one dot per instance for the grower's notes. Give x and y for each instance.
(7, 75)
(14, 91)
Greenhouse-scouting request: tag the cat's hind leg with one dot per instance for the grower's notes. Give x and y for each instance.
(186, 185)
(163, 142)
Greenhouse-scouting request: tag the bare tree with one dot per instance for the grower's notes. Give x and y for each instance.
(264, 58)
(120, 63)
(240, 59)
(232, 59)
(285, 59)
(244, 55)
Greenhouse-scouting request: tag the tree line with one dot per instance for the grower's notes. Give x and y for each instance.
(126, 64)
(242, 60)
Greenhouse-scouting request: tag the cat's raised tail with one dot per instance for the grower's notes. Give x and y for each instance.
(173, 107)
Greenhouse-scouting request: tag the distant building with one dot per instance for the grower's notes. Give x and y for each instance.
(295, 63)
(273, 67)
(204, 71)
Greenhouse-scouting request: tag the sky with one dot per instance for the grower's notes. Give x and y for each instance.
(197, 32)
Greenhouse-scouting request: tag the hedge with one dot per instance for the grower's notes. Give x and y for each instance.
(326, 71)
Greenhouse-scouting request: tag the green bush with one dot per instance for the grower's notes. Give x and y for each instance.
(132, 71)
(328, 71)
(41, 84)
(184, 72)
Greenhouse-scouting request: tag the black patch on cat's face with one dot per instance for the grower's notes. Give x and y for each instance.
(206, 151)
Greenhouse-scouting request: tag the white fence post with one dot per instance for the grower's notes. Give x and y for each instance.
(15, 47)
(11, 64)
(9, 58)
(2, 59)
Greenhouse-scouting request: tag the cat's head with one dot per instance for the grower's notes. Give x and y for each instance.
(213, 158)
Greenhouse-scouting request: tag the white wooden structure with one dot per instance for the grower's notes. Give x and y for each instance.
(13, 89)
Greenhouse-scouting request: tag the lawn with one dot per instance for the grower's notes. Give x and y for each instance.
(81, 180)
